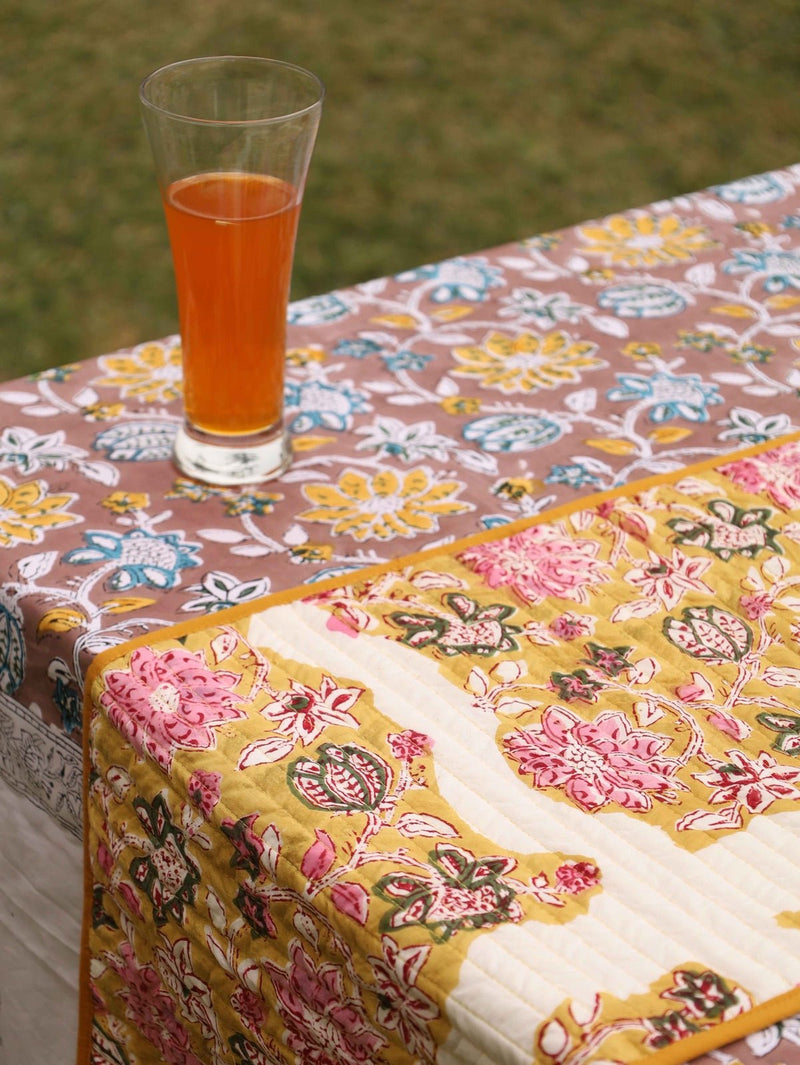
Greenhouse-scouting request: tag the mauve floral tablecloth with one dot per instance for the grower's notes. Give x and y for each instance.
(423, 407)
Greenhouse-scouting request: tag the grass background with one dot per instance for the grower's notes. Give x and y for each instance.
(449, 126)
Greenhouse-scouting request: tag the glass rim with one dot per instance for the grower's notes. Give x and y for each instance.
(253, 59)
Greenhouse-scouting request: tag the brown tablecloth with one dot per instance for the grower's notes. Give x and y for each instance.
(422, 407)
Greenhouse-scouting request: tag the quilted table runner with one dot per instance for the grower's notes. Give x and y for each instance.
(529, 796)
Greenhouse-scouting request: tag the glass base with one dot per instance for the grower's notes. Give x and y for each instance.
(231, 460)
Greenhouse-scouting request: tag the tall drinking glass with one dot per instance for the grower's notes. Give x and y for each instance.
(232, 138)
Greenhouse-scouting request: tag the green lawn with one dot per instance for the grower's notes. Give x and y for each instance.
(449, 126)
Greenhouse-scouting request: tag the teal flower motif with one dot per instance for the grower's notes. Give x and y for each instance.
(143, 557)
(758, 189)
(318, 310)
(12, 647)
(494, 521)
(315, 404)
(405, 360)
(779, 269)
(574, 474)
(667, 395)
(515, 431)
(458, 279)
(67, 694)
(634, 299)
(145, 441)
(356, 347)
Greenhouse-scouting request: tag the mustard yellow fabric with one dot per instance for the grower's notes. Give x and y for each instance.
(533, 796)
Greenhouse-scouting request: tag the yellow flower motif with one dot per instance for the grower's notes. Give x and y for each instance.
(645, 240)
(597, 276)
(642, 349)
(515, 488)
(460, 404)
(303, 356)
(755, 229)
(193, 490)
(527, 363)
(103, 412)
(151, 374)
(26, 511)
(384, 505)
(125, 502)
(57, 373)
(309, 552)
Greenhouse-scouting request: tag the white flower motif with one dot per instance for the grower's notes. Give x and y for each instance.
(544, 308)
(409, 443)
(219, 590)
(750, 427)
(30, 452)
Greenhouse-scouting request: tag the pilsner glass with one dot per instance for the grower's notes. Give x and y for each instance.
(232, 138)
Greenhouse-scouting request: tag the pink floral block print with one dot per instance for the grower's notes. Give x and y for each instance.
(323, 1024)
(596, 762)
(775, 472)
(169, 701)
(538, 562)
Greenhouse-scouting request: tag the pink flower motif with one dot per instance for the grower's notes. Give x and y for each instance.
(303, 712)
(249, 1006)
(575, 877)
(319, 857)
(323, 1025)
(596, 762)
(130, 898)
(694, 690)
(541, 561)
(775, 472)
(105, 859)
(188, 989)
(402, 1006)
(169, 701)
(667, 579)
(336, 623)
(756, 606)
(730, 725)
(351, 899)
(203, 789)
(754, 784)
(151, 1009)
(571, 626)
(409, 744)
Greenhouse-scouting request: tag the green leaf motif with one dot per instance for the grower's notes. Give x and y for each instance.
(462, 893)
(788, 728)
(710, 634)
(166, 873)
(342, 779)
(470, 627)
(729, 530)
